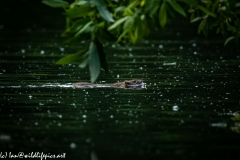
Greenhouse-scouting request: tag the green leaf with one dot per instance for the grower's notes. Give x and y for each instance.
(218, 29)
(228, 40)
(78, 11)
(128, 23)
(231, 28)
(201, 25)
(145, 25)
(117, 23)
(149, 5)
(196, 19)
(205, 10)
(119, 9)
(177, 7)
(153, 11)
(163, 15)
(102, 55)
(84, 63)
(139, 32)
(56, 3)
(122, 35)
(77, 25)
(237, 4)
(86, 28)
(133, 4)
(94, 62)
(77, 39)
(102, 9)
(71, 57)
(223, 8)
(190, 2)
(127, 26)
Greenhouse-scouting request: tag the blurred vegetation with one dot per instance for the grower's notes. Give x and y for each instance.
(98, 22)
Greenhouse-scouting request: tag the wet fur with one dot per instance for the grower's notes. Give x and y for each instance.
(130, 84)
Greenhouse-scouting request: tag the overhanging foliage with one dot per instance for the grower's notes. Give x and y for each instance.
(121, 21)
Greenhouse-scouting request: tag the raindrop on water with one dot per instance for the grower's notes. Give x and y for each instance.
(88, 140)
(62, 49)
(175, 108)
(23, 50)
(73, 145)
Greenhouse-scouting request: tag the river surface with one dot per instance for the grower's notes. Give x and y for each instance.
(192, 90)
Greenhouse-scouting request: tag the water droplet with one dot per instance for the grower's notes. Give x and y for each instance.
(23, 50)
(5, 137)
(160, 46)
(73, 145)
(41, 104)
(88, 140)
(62, 49)
(175, 108)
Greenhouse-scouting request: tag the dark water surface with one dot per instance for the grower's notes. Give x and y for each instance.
(192, 86)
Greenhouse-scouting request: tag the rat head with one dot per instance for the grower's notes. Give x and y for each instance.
(134, 84)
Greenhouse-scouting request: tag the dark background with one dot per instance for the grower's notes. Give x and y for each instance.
(21, 14)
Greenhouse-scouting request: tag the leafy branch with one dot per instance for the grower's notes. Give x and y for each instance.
(100, 21)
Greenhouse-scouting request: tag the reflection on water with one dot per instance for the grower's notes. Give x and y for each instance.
(52, 85)
(184, 113)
